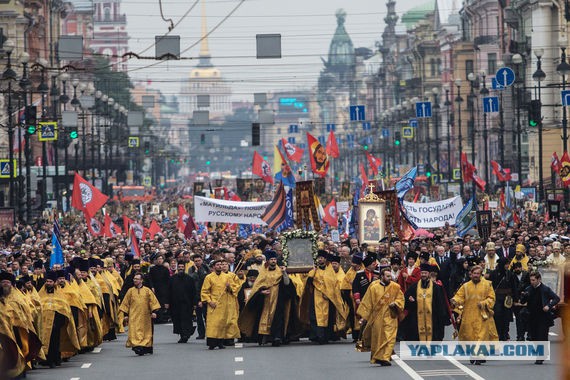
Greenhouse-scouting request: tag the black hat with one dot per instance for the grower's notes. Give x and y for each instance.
(369, 259)
(461, 260)
(38, 264)
(425, 267)
(60, 273)
(424, 255)
(75, 262)
(100, 263)
(270, 254)
(472, 260)
(412, 255)
(129, 257)
(357, 258)
(8, 276)
(396, 260)
(83, 266)
(25, 278)
(135, 261)
(252, 273)
(51, 275)
(323, 253)
(92, 262)
(434, 268)
(334, 258)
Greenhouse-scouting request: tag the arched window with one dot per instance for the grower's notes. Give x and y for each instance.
(107, 14)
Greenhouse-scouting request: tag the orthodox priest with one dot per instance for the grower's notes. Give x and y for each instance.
(182, 299)
(427, 309)
(139, 307)
(379, 311)
(322, 307)
(269, 314)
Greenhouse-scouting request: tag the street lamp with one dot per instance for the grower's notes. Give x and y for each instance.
(484, 92)
(448, 116)
(539, 75)
(10, 75)
(471, 105)
(435, 109)
(459, 100)
(518, 60)
(25, 85)
(427, 94)
(563, 69)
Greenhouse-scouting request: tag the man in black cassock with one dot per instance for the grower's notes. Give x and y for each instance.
(183, 298)
(245, 290)
(418, 325)
(159, 278)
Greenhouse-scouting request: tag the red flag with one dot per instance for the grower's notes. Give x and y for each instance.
(230, 195)
(502, 174)
(293, 152)
(86, 197)
(555, 163)
(480, 182)
(364, 177)
(261, 168)
(331, 215)
(154, 229)
(565, 169)
(467, 169)
(318, 156)
(190, 226)
(127, 223)
(374, 163)
(332, 146)
(110, 229)
(93, 225)
(135, 251)
(182, 218)
(137, 229)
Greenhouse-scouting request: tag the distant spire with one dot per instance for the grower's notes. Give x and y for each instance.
(204, 47)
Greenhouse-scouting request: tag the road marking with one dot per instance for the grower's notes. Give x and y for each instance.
(169, 324)
(239, 345)
(96, 350)
(413, 374)
(469, 372)
(552, 334)
(238, 359)
(239, 372)
(74, 378)
(441, 373)
(86, 365)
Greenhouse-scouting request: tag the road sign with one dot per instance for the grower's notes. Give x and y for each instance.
(505, 76)
(408, 132)
(5, 168)
(357, 113)
(147, 181)
(366, 126)
(133, 142)
(423, 109)
(491, 104)
(331, 127)
(47, 131)
(385, 132)
(496, 85)
(565, 94)
(456, 173)
(413, 123)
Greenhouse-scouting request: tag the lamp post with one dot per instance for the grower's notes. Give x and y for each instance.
(76, 103)
(539, 75)
(82, 87)
(471, 104)
(54, 96)
(25, 85)
(427, 94)
(484, 92)
(10, 75)
(517, 60)
(448, 117)
(563, 69)
(436, 109)
(98, 95)
(459, 100)
(63, 100)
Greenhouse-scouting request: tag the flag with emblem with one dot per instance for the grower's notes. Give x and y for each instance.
(182, 218)
(261, 168)
(332, 146)
(502, 174)
(154, 229)
(318, 156)
(276, 212)
(555, 162)
(190, 227)
(293, 152)
(86, 197)
(93, 225)
(110, 229)
(331, 215)
(374, 162)
(565, 169)
(135, 251)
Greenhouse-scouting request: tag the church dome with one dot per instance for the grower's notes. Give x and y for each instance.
(341, 50)
(205, 73)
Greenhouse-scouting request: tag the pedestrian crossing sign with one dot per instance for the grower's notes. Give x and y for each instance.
(47, 131)
(133, 142)
(5, 168)
(408, 132)
(147, 181)
(456, 173)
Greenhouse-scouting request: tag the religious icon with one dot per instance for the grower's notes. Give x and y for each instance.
(372, 218)
(305, 200)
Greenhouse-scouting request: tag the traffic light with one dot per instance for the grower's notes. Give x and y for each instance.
(428, 170)
(255, 134)
(397, 138)
(73, 133)
(147, 147)
(208, 162)
(365, 147)
(202, 139)
(534, 113)
(31, 119)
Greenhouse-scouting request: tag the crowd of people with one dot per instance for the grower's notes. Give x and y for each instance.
(222, 287)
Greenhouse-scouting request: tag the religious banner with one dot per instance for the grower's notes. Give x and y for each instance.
(259, 185)
(320, 186)
(218, 192)
(345, 190)
(198, 188)
(243, 188)
(218, 210)
(393, 223)
(306, 206)
(434, 214)
(484, 224)
(7, 217)
(371, 219)
(218, 182)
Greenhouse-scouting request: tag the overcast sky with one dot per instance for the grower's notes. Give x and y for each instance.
(306, 26)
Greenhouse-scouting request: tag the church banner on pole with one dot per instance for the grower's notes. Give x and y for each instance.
(222, 211)
(434, 214)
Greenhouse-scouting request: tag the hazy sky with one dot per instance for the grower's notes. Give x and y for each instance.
(306, 26)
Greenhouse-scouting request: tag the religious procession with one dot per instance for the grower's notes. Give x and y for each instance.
(71, 283)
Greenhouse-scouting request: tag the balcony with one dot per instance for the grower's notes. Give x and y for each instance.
(485, 40)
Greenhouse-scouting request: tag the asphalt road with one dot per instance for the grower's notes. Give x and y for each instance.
(301, 360)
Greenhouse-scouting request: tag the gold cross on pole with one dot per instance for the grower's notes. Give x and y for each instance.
(371, 186)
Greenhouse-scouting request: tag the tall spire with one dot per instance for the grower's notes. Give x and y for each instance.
(204, 47)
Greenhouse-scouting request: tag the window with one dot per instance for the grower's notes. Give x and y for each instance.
(492, 63)
(432, 67)
(107, 12)
(468, 68)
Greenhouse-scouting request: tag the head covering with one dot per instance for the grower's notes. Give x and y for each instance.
(521, 248)
(8, 276)
(135, 261)
(357, 258)
(51, 275)
(322, 253)
(75, 262)
(25, 278)
(60, 273)
(490, 246)
(257, 253)
(320, 245)
(270, 254)
(334, 258)
(556, 245)
(38, 264)
(108, 262)
(369, 259)
(425, 267)
(396, 260)
(424, 256)
(434, 268)
(252, 273)
(83, 266)
(92, 262)
(412, 255)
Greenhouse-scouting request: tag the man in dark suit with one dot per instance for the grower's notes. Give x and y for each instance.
(540, 300)
(445, 266)
(506, 250)
(476, 249)
(522, 281)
